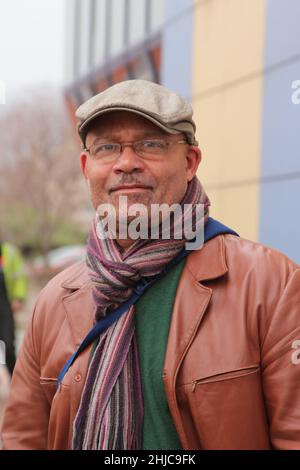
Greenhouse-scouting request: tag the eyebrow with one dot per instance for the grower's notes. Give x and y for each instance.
(145, 135)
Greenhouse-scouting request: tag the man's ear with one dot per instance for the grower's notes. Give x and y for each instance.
(83, 164)
(193, 160)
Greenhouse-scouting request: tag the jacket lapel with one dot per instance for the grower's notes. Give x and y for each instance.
(191, 302)
(80, 313)
(79, 305)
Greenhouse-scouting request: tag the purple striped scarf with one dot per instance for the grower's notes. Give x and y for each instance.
(110, 414)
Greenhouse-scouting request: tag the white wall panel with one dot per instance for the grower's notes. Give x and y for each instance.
(117, 27)
(137, 21)
(157, 14)
(100, 33)
(84, 37)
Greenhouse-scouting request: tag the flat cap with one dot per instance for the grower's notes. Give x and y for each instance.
(154, 102)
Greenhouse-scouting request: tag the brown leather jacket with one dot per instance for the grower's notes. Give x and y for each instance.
(232, 368)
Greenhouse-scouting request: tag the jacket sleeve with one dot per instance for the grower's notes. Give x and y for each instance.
(281, 368)
(25, 425)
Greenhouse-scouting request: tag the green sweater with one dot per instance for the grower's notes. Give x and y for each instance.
(152, 321)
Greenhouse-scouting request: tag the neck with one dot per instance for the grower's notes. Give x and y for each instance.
(125, 243)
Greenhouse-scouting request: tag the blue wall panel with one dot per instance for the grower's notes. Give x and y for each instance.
(177, 46)
(280, 221)
(281, 123)
(283, 38)
(280, 200)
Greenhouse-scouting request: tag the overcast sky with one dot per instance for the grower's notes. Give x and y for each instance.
(31, 43)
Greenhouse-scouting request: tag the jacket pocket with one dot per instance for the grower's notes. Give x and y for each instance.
(228, 375)
(47, 381)
(227, 409)
(48, 385)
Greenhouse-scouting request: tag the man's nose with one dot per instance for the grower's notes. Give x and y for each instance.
(128, 161)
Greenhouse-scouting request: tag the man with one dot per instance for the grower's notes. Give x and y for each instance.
(13, 292)
(207, 357)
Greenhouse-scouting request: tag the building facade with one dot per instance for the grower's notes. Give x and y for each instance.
(238, 62)
(109, 41)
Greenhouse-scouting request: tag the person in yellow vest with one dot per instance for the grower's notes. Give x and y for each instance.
(13, 292)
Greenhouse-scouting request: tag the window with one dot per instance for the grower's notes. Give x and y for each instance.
(137, 22)
(100, 44)
(156, 15)
(117, 32)
(84, 38)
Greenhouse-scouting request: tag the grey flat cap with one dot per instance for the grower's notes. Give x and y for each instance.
(160, 105)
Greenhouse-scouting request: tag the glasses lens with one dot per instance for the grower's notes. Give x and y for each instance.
(151, 147)
(105, 150)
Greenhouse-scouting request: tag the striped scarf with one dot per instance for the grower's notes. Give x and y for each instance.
(110, 414)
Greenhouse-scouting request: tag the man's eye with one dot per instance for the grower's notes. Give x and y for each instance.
(152, 144)
(105, 148)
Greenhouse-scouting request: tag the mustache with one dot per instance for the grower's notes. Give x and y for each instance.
(131, 180)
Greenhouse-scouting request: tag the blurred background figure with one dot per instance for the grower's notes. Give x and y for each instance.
(13, 292)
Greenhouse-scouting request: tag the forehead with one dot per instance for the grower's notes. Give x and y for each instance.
(119, 122)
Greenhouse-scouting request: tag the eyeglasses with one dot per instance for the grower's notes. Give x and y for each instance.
(108, 152)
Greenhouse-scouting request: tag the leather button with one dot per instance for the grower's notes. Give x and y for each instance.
(77, 377)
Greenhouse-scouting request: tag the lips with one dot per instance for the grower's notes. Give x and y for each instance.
(126, 187)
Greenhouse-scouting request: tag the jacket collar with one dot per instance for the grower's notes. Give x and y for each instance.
(77, 277)
(209, 262)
